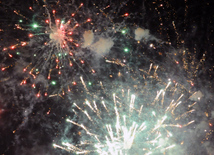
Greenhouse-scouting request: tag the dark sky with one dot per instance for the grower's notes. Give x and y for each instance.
(30, 124)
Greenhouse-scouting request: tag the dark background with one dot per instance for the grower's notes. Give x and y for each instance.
(26, 130)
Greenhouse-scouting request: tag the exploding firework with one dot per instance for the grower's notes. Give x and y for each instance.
(61, 39)
(120, 122)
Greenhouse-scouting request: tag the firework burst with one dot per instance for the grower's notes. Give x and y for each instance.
(125, 123)
(60, 43)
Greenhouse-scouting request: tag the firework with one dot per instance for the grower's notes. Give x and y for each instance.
(124, 123)
(59, 45)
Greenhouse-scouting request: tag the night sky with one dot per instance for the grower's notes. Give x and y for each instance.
(58, 54)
